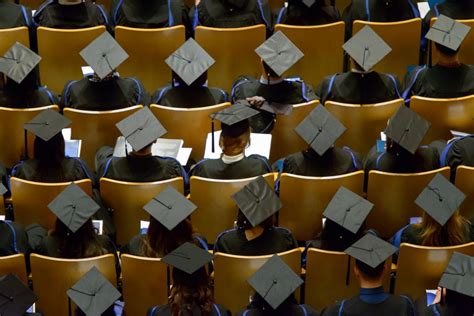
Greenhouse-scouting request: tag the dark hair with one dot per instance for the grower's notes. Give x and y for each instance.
(264, 308)
(199, 82)
(368, 272)
(269, 71)
(244, 223)
(334, 237)
(14, 94)
(49, 155)
(445, 50)
(459, 304)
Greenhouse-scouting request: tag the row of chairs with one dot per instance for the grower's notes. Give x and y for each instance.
(304, 200)
(145, 280)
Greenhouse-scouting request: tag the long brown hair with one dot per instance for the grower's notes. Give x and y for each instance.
(454, 232)
(233, 146)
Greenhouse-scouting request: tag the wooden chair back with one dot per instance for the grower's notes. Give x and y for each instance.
(127, 200)
(466, 53)
(310, 68)
(304, 200)
(14, 264)
(216, 212)
(106, 3)
(52, 277)
(363, 122)
(330, 277)
(233, 49)
(148, 49)
(231, 273)
(445, 115)
(96, 128)
(189, 124)
(12, 133)
(55, 70)
(465, 182)
(30, 200)
(405, 49)
(8, 37)
(393, 196)
(341, 5)
(285, 140)
(420, 268)
(144, 283)
(32, 4)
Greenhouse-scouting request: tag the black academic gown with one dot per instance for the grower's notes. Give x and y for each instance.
(297, 13)
(13, 239)
(165, 310)
(13, 15)
(112, 94)
(455, 9)
(294, 310)
(284, 92)
(440, 82)
(273, 240)
(359, 88)
(458, 152)
(15, 98)
(372, 302)
(251, 166)
(86, 14)
(189, 97)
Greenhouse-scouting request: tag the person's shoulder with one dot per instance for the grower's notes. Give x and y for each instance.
(159, 310)
(258, 158)
(243, 81)
(227, 235)
(220, 310)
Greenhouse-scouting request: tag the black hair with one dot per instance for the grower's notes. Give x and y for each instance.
(447, 51)
(368, 272)
(199, 82)
(244, 223)
(49, 155)
(260, 304)
(334, 237)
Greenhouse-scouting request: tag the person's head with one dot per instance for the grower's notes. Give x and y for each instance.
(334, 237)
(446, 54)
(257, 302)
(454, 232)
(355, 66)
(366, 274)
(199, 82)
(232, 144)
(268, 72)
(145, 151)
(49, 155)
(244, 223)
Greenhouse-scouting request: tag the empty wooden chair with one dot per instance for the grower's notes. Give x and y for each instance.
(127, 200)
(189, 124)
(304, 200)
(319, 61)
(149, 64)
(420, 268)
(144, 283)
(30, 200)
(363, 122)
(231, 288)
(445, 115)
(8, 37)
(405, 49)
(53, 277)
(394, 198)
(59, 65)
(216, 212)
(285, 140)
(330, 277)
(233, 49)
(14, 264)
(96, 128)
(12, 133)
(465, 182)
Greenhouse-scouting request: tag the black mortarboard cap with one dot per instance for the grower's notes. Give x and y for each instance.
(170, 207)
(367, 48)
(47, 124)
(188, 258)
(15, 297)
(459, 274)
(18, 62)
(93, 293)
(234, 119)
(448, 32)
(104, 54)
(407, 128)
(320, 129)
(279, 53)
(275, 281)
(348, 209)
(141, 129)
(440, 199)
(257, 201)
(371, 250)
(73, 207)
(3, 189)
(189, 61)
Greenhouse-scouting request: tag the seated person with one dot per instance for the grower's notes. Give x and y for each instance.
(139, 165)
(455, 9)
(272, 87)
(369, 270)
(449, 78)
(458, 152)
(149, 13)
(255, 234)
(13, 15)
(188, 88)
(191, 290)
(379, 11)
(361, 85)
(70, 14)
(234, 139)
(299, 13)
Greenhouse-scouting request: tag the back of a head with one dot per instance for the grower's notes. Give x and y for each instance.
(199, 82)
(160, 241)
(49, 155)
(233, 146)
(244, 223)
(454, 232)
(261, 307)
(445, 51)
(368, 273)
(334, 237)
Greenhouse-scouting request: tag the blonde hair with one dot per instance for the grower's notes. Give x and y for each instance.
(233, 146)
(454, 232)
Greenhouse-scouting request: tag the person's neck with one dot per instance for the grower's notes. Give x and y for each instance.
(144, 153)
(368, 284)
(254, 232)
(449, 62)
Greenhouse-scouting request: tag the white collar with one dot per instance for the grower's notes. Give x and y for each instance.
(271, 81)
(232, 159)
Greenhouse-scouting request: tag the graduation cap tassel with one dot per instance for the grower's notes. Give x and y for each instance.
(212, 130)
(26, 145)
(430, 52)
(69, 306)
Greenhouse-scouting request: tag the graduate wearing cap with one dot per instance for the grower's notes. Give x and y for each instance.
(458, 152)
(188, 88)
(449, 78)
(255, 233)
(105, 89)
(307, 13)
(278, 54)
(70, 14)
(321, 158)
(455, 9)
(370, 254)
(361, 85)
(15, 297)
(13, 15)
(191, 291)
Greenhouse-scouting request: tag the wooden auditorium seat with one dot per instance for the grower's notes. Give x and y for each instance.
(465, 182)
(8, 37)
(32, 4)
(14, 264)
